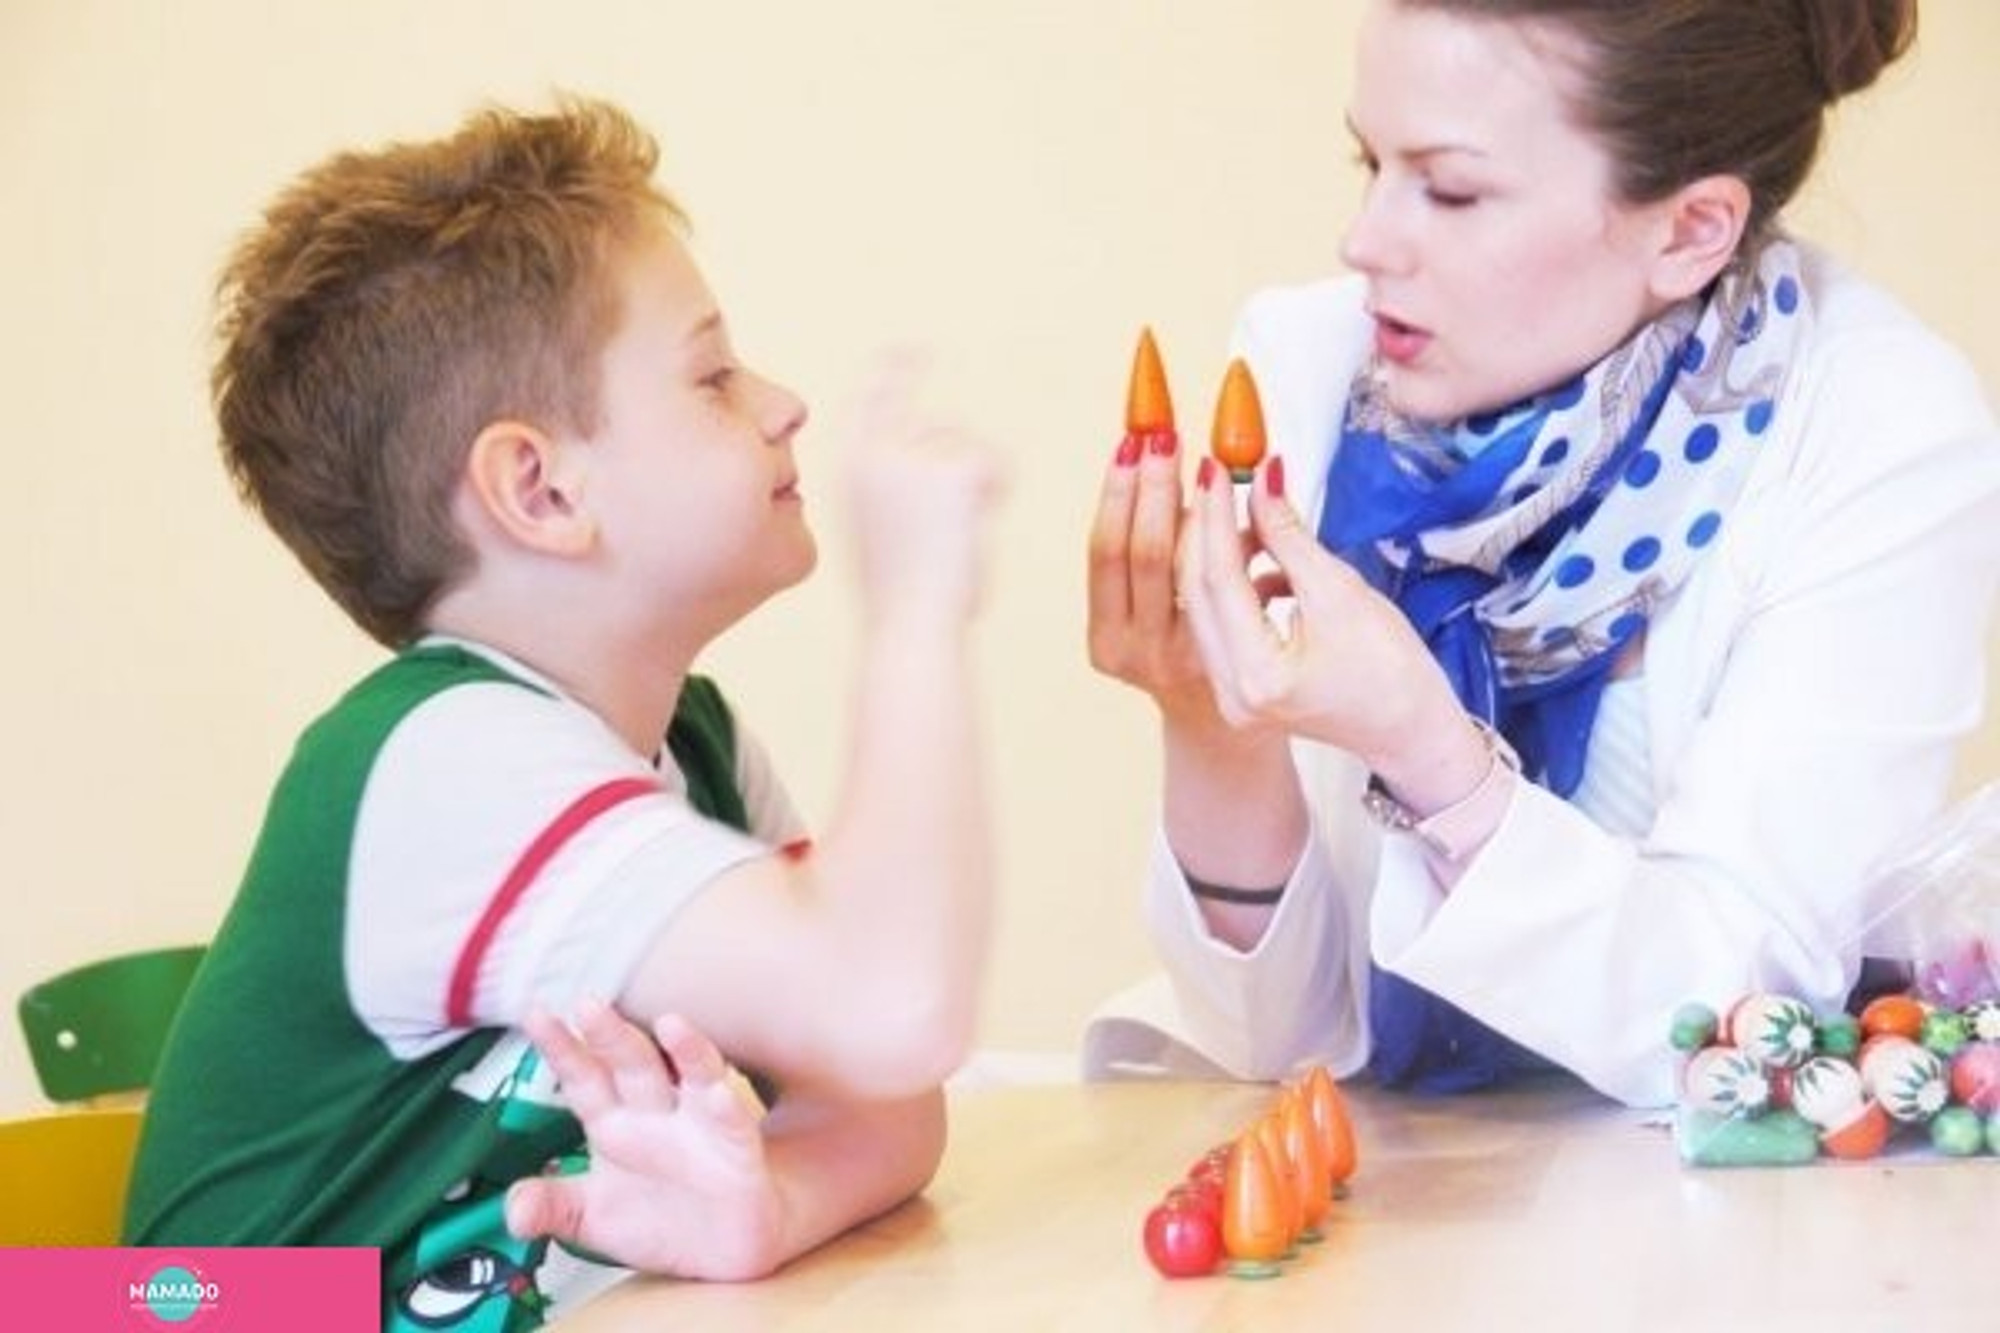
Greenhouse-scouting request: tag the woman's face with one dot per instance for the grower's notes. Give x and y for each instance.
(1498, 261)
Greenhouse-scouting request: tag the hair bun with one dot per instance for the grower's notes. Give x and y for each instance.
(1851, 42)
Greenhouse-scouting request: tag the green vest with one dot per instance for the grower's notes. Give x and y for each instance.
(276, 1118)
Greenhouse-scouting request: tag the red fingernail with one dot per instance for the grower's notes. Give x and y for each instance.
(1129, 449)
(1274, 478)
(1204, 474)
(1165, 442)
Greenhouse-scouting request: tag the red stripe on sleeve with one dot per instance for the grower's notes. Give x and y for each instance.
(572, 821)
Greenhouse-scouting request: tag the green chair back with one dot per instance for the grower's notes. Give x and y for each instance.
(98, 1029)
(63, 1176)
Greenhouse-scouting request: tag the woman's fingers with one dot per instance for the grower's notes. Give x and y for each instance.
(1307, 567)
(1226, 591)
(1156, 521)
(1110, 574)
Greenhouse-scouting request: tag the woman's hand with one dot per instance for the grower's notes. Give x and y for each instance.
(678, 1180)
(1137, 633)
(1346, 668)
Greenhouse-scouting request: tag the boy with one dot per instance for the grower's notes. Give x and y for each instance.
(481, 391)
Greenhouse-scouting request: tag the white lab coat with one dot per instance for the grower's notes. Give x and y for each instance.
(1805, 694)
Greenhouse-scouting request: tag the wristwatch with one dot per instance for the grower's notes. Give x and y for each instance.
(1454, 831)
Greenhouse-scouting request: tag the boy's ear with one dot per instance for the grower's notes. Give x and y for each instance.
(530, 486)
(1704, 223)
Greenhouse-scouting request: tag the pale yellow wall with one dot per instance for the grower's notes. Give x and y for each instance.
(1017, 185)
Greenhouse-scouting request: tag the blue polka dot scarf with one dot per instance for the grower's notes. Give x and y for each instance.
(1529, 546)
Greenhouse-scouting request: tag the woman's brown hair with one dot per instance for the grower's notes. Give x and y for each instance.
(1682, 89)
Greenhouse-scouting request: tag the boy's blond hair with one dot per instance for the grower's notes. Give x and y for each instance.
(396, 302)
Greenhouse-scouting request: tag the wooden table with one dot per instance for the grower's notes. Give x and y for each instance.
(1540, 1208)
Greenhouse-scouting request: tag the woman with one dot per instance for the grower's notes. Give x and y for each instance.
(1638, 560)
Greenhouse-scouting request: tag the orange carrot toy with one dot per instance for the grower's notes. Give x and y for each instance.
(1255, 1228)
(1238, 438)
(1329, 1113)
(1149, 407)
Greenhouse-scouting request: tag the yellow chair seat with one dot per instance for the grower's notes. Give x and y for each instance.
(63, 1176)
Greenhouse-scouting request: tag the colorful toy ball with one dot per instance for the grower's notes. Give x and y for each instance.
(1983, 1020)
(1893, 1016)
(1957, 1131)
(1909, 1081)
(1864, 1136)
(1695, 1026)
(1828, 1092)
(1723, 1080)
(1777, 1029)
(1975, 1077)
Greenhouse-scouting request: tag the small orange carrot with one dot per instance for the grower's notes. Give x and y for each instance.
(1312, 1182)
(1254, 1225)
(1149, 406)
(1238, 438)
(1329, 1113)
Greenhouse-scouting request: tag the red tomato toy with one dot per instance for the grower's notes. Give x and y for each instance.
(1183, 1239)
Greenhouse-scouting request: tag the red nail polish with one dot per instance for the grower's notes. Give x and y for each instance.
(1205, 474)
(1274, 478)
(1164, 441)
(1129, 449)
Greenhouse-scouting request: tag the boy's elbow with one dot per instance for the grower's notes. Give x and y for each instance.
(904, 1047)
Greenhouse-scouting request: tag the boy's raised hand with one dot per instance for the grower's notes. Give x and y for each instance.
(920, 492)
(678, 1182)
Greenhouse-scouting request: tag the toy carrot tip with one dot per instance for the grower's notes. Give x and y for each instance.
(1238, 439)
(1148, 405)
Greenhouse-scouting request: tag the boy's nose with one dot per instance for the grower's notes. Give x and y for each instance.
(783, 414)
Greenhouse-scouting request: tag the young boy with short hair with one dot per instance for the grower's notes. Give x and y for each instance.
(480, 389)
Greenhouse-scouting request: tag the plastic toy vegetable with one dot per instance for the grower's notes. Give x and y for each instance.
(1329, 1114)
(1238, 438)
(1255, 1230)
(1311, 1183)
(1149, 407)
(1776, 1083)
(1250, 1199)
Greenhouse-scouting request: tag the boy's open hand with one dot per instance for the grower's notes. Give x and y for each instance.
(678, 1182)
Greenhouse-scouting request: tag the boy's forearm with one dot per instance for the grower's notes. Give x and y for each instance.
(905, 864)
(839, 1163)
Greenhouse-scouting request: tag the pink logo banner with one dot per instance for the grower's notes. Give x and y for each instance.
(202, 1290)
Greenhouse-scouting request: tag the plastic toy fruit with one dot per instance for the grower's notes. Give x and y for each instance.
(1183, 1238)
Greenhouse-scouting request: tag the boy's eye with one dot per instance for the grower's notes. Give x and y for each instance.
(1450, 198)
(719, 380)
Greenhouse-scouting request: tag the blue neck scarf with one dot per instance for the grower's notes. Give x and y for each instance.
(1529, 547)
